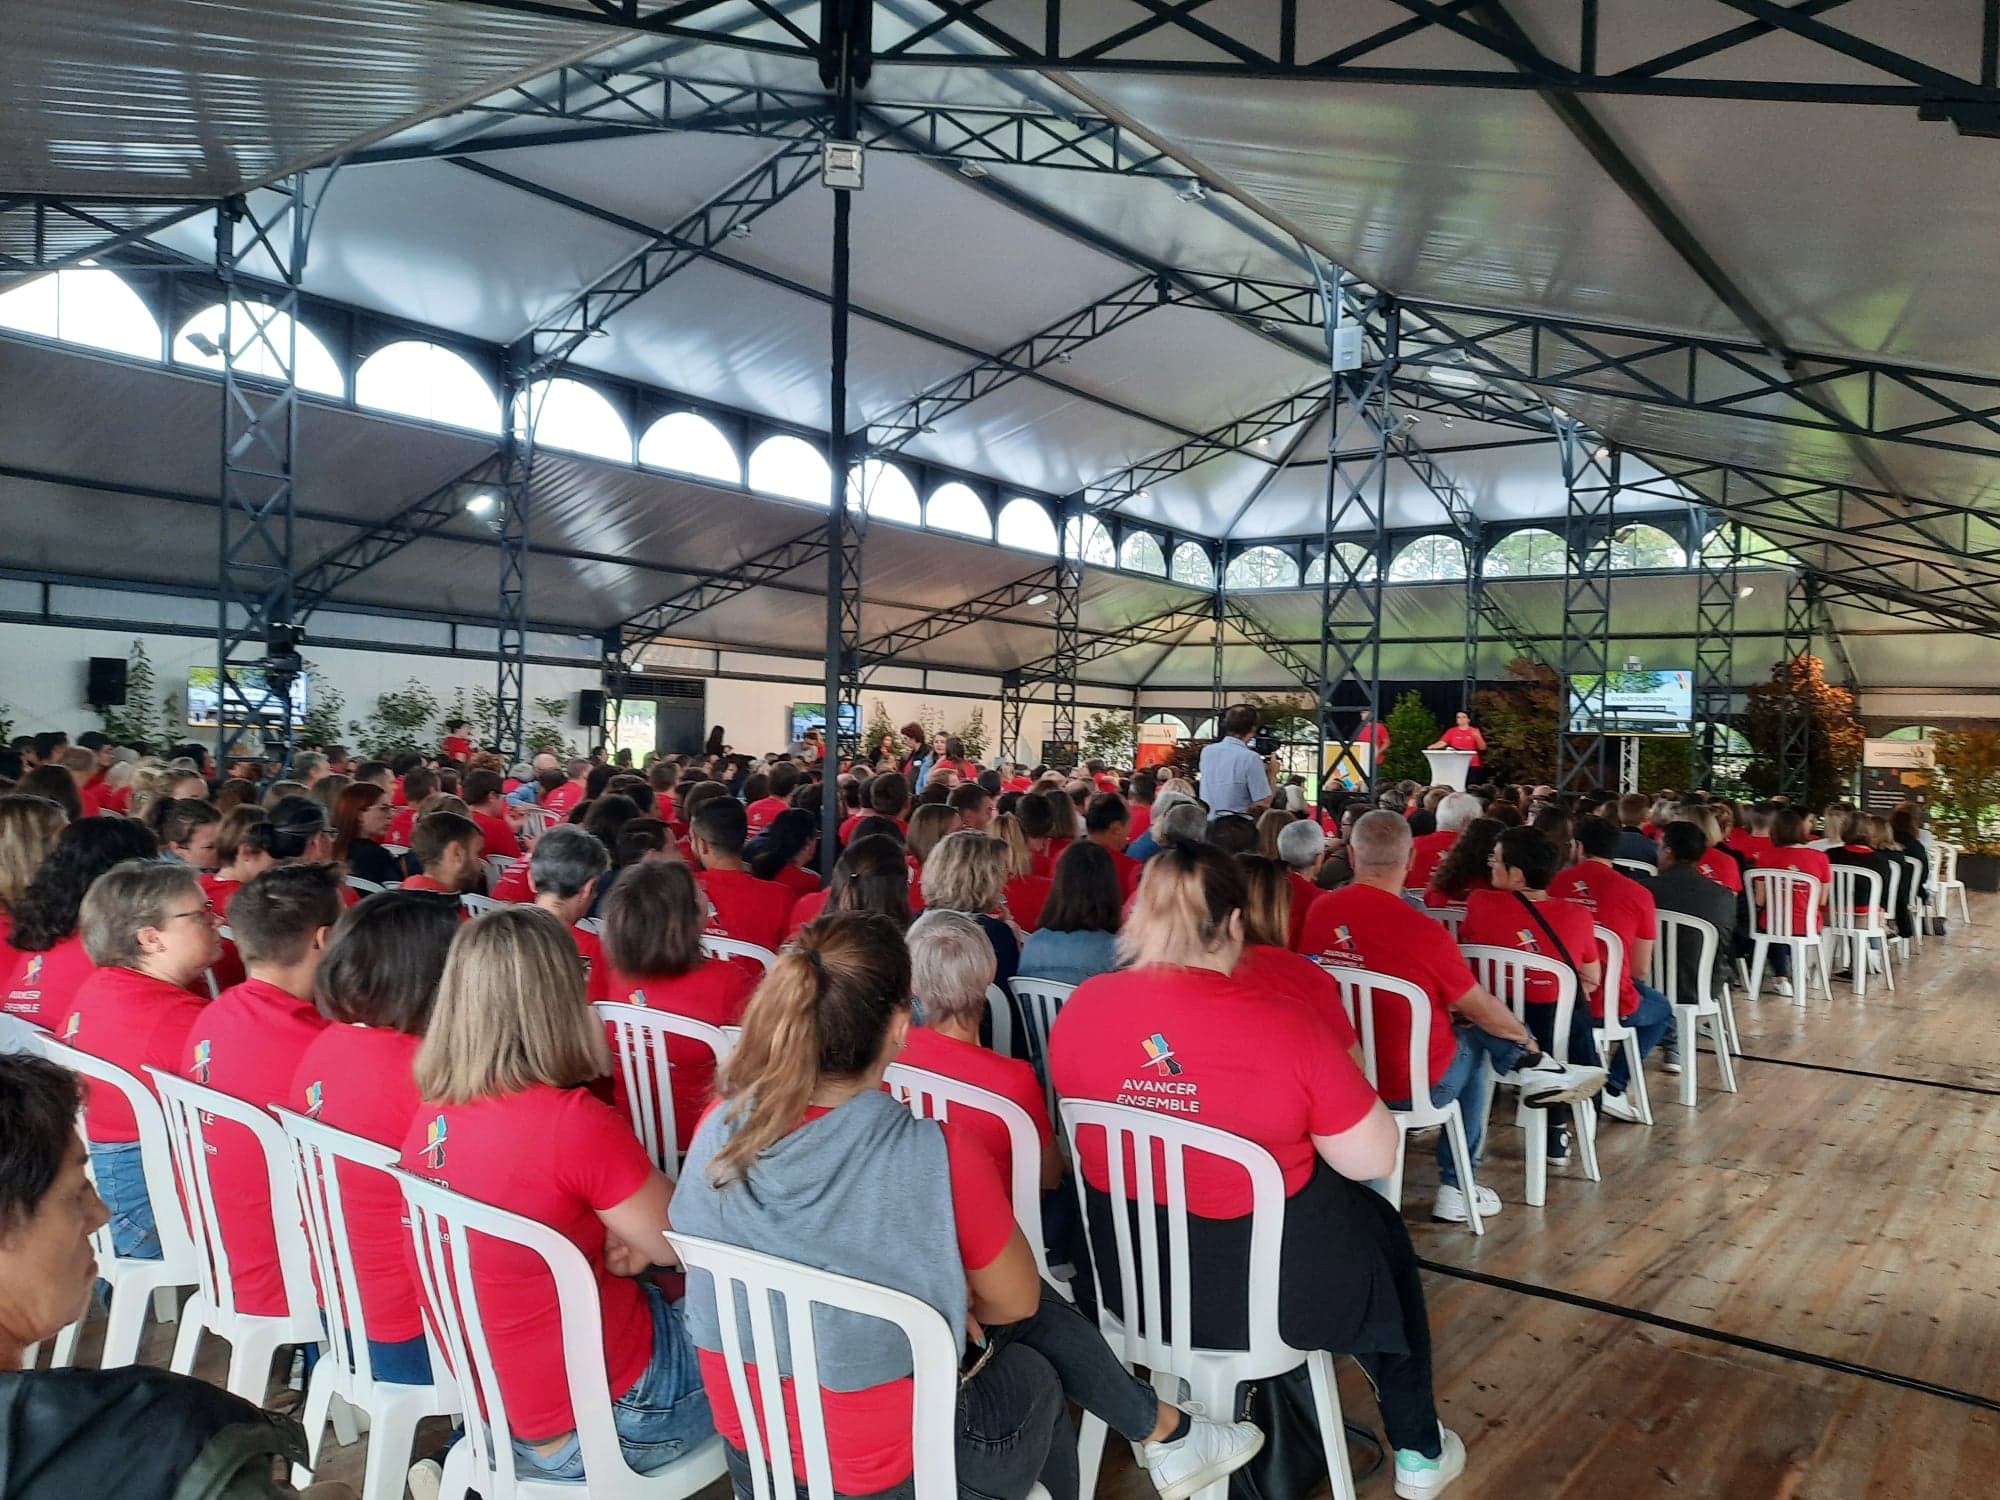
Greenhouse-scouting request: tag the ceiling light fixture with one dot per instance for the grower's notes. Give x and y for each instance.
(971, 169)
(1746, 591)
(1263, 442)
(205, 345)
(597, 331)
(1038, 598)
(482, 504)
(1195, 192)
(739, 231)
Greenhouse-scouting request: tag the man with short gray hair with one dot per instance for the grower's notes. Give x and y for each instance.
(1302, 847)
(309, 768)
(565, 871)
(1453, 814)
(1368, 925)
(530, 788)
(1183, 823)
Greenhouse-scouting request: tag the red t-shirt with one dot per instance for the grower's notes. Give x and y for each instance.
(247, 1043)
(512, 886)
(743, 907)
(41, 985)
(797, 880)
(855, 820)
(458, 747)
(218, 890)
(132, 1020)
(426, 883)
(1425, 852)
(559, 802)
(762, 812)
(1283, 972)
(1434, 897)
(1106, 782)
(555, 1156)
(1498, 920)
(402, 823)
(590, 948)
(1806, 862)
(1617, 901)
(1043, 863)
(1360, 927)
(1304, 893)
(1025, 896)
(1017, 784)
(712, 991)
(498, 834)
(357, 1078)
(805, 911)
(983, 1068)
(1464, 739)
(1129, 870)
(1723, 870)
(1139, 818)
(1272, 1074)
(1745, 842)
(868, 1431)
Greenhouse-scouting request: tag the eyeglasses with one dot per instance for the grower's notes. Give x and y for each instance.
(206, 909)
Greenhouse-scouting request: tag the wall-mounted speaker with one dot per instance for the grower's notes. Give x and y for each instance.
(107, 682)
(590, 708)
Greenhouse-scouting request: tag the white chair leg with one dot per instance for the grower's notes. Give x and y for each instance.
(347, 1422)
(312, 1417)
(1728, 1003)
(1754, 984)
(63, 1355)
(1635, 1086)
(250, 1355)
(1333, 1434)
(187, 1343)
(1725, 1065)
(1684, 1029)
(1888, 966)
(1461, 1155)
(1089, 1456)
(1536, 1128)
(1584, 1112)
(1964, 912)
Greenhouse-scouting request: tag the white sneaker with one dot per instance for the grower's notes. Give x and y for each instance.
(1783, 986)
(1546, 1082)
(1418, 1477)
(1618, 1107)
(1210, 1451)
(1449, 1205)
(426, 1479)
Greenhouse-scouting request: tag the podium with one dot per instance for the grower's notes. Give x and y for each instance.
(1449, 767)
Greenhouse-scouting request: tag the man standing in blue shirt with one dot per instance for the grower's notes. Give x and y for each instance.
(1233, 779)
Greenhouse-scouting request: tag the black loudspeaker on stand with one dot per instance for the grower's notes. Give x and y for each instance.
(107, 682)
(590, 708)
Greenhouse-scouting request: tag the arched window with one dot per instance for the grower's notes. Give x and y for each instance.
(1530, 553)
(1026, 525)
(428, 382)
(1192, 566)
(576, 418)
(1090, 542)
(689, 444)
(1429, 559)
(1642, 546)
(1141, 553)
(260, 334)
(957, 507)
(83, 306)
(1261, 568)
(1179, 724)
(791, 468)
(1354, 558)
(1754, 551)
(1205, 730)
(1912, 732)
(884, 492)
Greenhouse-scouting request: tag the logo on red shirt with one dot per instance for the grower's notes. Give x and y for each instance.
(1527, 940)
(203, 1051)
(34, 973)
(315, 1098)
(434, 1145)
(637, 997)
(1342, 937)
(72, 1026)
(1161, 1056)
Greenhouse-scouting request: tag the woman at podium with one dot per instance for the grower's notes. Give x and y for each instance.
(1461, 736)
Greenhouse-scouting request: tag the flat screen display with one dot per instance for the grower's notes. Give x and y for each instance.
(204, 696)
(1649, 702)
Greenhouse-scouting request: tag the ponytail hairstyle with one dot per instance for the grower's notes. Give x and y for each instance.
(821, 1012)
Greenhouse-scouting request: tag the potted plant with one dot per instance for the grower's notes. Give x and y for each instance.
(1965, 800)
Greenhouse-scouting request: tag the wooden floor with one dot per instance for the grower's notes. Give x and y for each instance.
(1855, 1218)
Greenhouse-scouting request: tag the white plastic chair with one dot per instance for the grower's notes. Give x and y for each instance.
(780, 1297)
(639, 1046)
(1612, 1030)
(933, 1096)
(1360, 989)
(1505, 973)
(478, 906)
(18, 1035)
(1670, 960)
(592, 925)
(1854, 923)
(441, 1224)
(498, 865)
(366, 887)
(1914, 870)
(1450, 916)
(1038, 1002)
(1945, 882)
(722, 947)
(1638, 869)
(535, 822)
(191, 1110)
(1774, 923)
(395, 851)
(1156, 1279)
(316, 1154)
(133, 1282)
(1000, 1020)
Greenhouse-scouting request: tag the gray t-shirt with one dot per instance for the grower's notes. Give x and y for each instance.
(1232, 777)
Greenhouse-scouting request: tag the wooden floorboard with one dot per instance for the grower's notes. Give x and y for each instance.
(1852, 1218)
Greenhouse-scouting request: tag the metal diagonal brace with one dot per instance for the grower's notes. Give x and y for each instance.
(657, 621)
(991, 605)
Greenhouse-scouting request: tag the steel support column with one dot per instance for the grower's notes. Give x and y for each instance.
(1068, 615)
(1794, 725)
(260, 434)
(1360, 423)
(1010, 720)
(515, 495)
(1591, 476)
(1714, 643)
(1475, 597)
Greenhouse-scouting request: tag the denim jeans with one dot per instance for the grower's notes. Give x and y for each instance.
(1013, 1416)
(1465, 1081)
(402, 1362)
(121, 1183)
(662, 1416)
(1652, 1020)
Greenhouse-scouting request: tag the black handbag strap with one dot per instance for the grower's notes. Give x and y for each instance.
(1582, 989)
